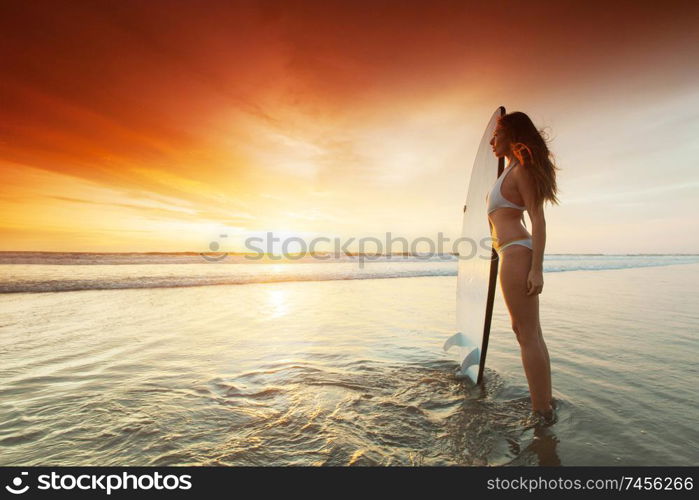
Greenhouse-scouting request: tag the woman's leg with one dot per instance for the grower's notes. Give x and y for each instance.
(524, 313)
(548, 363)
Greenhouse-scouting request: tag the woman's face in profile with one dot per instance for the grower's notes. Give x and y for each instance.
(500, 143)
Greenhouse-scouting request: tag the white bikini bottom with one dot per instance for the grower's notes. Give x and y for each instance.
(527, 242)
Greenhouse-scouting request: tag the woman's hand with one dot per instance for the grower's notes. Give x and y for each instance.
(535, 282)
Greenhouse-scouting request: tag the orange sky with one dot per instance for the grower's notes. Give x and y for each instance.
(156, 126)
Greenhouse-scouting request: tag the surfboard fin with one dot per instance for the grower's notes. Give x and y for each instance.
(474, 358)
(471, 362)
(460, 340)
(469, 367)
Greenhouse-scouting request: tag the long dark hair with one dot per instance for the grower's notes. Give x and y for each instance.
(530, 148)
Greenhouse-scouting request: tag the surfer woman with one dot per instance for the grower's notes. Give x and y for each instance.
(528, 180)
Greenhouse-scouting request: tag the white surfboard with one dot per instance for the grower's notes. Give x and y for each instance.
(478, 264)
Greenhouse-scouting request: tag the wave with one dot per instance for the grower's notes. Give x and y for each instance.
(62, 278)
(149, 258)
(189, 281)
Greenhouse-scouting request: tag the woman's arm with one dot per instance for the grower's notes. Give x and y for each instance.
(525, 183)
(538, 237)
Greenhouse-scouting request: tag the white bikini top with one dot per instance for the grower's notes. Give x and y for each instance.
(496, 199)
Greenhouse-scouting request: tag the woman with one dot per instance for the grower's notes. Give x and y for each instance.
(526, 183)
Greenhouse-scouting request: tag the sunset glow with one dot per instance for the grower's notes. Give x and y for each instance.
(158, 126)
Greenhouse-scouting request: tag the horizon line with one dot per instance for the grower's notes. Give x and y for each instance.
(349, 254)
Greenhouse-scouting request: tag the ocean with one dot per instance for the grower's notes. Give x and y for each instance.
(172, 359)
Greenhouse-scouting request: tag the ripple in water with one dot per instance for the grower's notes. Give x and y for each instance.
(375, 415)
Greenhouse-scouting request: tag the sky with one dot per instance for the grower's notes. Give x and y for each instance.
(160, 126)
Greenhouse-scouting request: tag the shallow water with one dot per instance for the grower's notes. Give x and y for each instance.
(346, 372)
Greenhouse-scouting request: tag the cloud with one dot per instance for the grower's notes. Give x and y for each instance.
(328, 111)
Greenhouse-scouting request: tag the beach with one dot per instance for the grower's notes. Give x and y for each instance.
(340, 371)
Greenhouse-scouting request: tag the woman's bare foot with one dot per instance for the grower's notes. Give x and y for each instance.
(546, 416)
